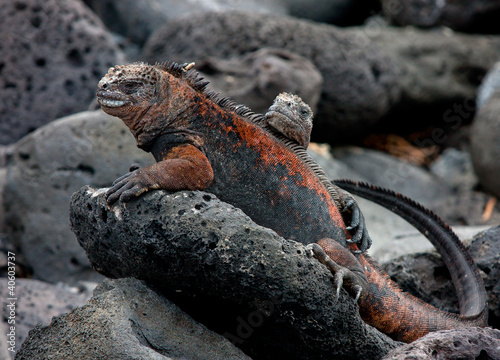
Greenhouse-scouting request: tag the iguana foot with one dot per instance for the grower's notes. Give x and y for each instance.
(357, 223)
(130, 185)
(351, 276)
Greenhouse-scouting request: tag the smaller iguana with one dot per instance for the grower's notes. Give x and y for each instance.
(292, 117)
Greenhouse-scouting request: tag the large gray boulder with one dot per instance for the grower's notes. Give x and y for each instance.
(125, 320)
(359, 80)
(265, 293)
(368, 73)
(383, 170)
(44, 170)
(52, 55)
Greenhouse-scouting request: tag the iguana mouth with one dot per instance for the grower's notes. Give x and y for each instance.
(275, 110)
(110, 102)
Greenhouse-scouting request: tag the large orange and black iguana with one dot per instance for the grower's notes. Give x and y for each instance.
(203, 141)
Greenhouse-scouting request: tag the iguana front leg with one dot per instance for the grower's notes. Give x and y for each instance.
(185, 167)
(357, 224)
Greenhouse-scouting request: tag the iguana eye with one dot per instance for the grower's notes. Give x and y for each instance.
(130, 87)
(304, 111)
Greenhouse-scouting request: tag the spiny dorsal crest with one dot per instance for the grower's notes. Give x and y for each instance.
(185, 71)
(193, 78)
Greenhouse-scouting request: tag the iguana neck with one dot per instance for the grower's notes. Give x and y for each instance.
(173, 114)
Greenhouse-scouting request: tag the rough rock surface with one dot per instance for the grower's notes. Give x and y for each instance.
(37, 302)
(52, 55)
(464, 343)
(367, 73)
(463, 15)
(386, 171)
(125, 319)
(426, 276)
(256, 78)
(485, 147)
(242, 280)
(46, 167)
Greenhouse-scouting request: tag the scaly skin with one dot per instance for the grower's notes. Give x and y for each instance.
(201, 141)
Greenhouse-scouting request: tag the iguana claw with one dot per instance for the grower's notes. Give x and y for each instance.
(353, 281)
(128, 186)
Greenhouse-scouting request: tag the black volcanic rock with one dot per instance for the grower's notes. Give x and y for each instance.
(52, 54)
(263, 292)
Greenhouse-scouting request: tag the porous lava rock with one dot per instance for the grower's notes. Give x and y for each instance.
(469, 343)
(52, 54)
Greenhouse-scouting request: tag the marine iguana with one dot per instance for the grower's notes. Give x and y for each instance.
(201, 140)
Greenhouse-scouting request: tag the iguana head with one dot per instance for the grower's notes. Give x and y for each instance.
(292, 117)
(149, 99)
(127, 90)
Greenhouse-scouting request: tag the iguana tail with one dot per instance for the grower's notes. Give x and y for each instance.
(464, 272)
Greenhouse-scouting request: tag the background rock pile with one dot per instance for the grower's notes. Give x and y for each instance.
(406, 96)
